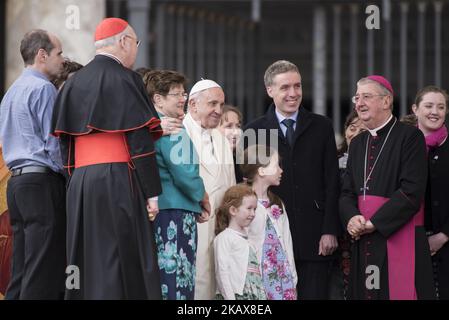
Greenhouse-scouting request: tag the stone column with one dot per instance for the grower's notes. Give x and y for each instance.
(336, 85)
(200, 44)
(169, 35)
(386, 13)
(319, 61)
(353, 50)
(251, 106)
(421, 44)
(191, 46)
(160, 36)
(403, 54)
(370, 51)
(73, 21)
(221, 47)
(240, 87)
(255, 10)
(230, 60)
(139, 19)
(211, 35)
(438, 28)
(180, 40)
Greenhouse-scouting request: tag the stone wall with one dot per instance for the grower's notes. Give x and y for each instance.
(73, 21)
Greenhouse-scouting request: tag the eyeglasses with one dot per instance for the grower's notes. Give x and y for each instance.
(366, 97)
(178, 95)
(137, 40)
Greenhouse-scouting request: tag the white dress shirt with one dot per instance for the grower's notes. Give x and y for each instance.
(282, 118)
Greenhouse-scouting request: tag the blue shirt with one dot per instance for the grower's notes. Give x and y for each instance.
(281, 118)
(25, 123)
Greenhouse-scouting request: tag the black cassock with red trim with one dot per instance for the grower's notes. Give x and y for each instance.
(109, 236)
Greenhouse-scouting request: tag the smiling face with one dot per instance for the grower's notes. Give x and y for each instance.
(372, 105)
(431, 112)
(172, 104)
(230, 127)
(242, 216)
(206, 107)
(286, 91)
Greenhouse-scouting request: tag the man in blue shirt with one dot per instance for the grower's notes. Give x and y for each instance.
(36, 190)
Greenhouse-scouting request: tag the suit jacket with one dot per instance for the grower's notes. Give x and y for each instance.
(310, 181)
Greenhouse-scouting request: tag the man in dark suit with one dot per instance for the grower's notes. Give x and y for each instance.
(310, 185)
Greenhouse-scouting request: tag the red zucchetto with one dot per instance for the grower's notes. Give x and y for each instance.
(109, 27)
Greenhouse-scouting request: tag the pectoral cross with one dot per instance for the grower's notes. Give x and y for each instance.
(364, 189)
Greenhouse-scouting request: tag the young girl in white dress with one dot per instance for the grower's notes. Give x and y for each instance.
(237, 268)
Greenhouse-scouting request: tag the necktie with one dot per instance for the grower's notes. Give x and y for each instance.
(289, 134)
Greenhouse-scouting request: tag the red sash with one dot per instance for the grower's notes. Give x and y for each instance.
(100, 148)
(400, 250)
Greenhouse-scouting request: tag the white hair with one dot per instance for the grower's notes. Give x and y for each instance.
(195, 96)
(111, 40)
(383, 90)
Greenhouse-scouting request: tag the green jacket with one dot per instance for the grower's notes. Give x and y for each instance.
(182, 186)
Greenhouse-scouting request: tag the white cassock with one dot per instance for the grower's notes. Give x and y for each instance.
(217, 171)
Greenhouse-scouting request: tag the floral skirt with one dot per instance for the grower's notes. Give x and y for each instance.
(176, 240)
(276, 271)
(253, 289)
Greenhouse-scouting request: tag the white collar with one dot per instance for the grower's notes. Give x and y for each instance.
(243, 235)
(110, 56)
(373, 132)
(198, 126)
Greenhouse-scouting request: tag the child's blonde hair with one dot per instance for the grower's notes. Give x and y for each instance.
(233, 197)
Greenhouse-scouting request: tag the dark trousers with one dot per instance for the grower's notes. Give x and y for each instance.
(36, 203)
(313, 280)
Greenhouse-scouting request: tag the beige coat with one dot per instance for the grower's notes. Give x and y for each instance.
(218, 176)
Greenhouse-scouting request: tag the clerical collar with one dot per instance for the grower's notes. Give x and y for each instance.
(110, 56)
(365, 178)
(373, 132)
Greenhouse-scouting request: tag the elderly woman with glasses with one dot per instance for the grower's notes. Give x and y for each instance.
(183, 201)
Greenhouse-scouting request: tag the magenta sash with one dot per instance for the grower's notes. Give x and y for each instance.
(400, 250)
